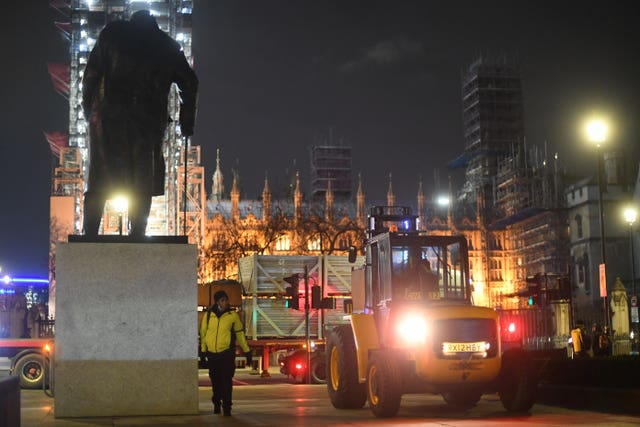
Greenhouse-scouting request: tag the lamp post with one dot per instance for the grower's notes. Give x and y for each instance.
(597, 133)
(630, 215)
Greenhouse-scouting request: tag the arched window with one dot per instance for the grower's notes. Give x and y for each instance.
(314, 244)
(283, 243)
(579, 226)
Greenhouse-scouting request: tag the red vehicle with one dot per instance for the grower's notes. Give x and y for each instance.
(294, 364)
(26, 357)
(25, 330)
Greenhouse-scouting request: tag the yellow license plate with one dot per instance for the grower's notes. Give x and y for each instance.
(463, 347)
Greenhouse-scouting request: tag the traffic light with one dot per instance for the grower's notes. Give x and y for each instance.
(293, 297)
(316, 297)
(534, 290)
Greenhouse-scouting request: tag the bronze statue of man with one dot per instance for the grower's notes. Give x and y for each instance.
(125, 91)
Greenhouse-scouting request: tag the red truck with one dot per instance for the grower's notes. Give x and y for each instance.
(25, 330)
(25, 357)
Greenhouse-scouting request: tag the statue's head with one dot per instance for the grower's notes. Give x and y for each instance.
(144, 19)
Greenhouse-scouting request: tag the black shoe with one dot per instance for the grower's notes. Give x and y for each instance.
(216, 409)
(227, 411)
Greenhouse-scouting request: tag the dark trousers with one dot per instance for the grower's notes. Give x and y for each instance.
(222, 367)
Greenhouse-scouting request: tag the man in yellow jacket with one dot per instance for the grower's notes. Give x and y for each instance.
(220, 329)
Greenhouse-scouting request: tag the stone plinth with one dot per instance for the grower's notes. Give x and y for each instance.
(126, 329)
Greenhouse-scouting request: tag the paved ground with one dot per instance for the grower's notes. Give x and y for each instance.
(307, 405)
(277, 401)
(37, 408)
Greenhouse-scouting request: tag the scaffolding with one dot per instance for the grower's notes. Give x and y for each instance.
(194, 211)
(330, 163)
(68, 180)
(83, 21)
(493, 118)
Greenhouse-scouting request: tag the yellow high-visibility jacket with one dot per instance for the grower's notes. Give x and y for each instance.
(215, 336)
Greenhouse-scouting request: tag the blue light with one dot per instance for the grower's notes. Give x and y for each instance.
(29, 280)
(32, 281)
(406, 224)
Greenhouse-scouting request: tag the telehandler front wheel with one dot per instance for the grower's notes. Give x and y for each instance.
(384, 384)
(344, 389)
(518, 381)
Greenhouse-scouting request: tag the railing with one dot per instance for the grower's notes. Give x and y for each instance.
(46, 328)
(621, 346)
(545, 342)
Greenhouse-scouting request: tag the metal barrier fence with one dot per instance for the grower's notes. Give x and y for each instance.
(46, 328)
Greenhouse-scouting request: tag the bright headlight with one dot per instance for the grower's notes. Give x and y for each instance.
(411, 329)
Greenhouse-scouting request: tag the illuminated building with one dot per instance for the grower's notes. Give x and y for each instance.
(238, 227)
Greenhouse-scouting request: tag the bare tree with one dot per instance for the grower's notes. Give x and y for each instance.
(232, 239)
(331, 234)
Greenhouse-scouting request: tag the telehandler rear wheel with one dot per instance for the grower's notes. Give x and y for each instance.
(518, 381)
(319, 370)
(384, 384)
(344, 389)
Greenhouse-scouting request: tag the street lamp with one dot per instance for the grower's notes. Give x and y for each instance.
(121, 204)
(597, 130)
(630, 215)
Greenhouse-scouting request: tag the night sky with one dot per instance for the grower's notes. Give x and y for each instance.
(382, 76)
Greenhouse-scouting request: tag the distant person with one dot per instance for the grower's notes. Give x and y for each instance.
(604, 342)
(125, 91)
(416, 279)
(580, 346)
(428, 280)
(220, 329)
(595, 340)
(19, 318)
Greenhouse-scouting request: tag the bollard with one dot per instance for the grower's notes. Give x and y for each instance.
(10, 401)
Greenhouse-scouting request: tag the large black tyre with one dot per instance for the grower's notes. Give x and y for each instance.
(30, 369)
(344, 389)
(518, 381)
(319, 370)
(384, 384)
(462, 399)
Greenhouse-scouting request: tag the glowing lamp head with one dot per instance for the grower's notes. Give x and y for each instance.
(443, 201)
(630, 215)
(597, 130)
(511, 328)
(120, 203)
